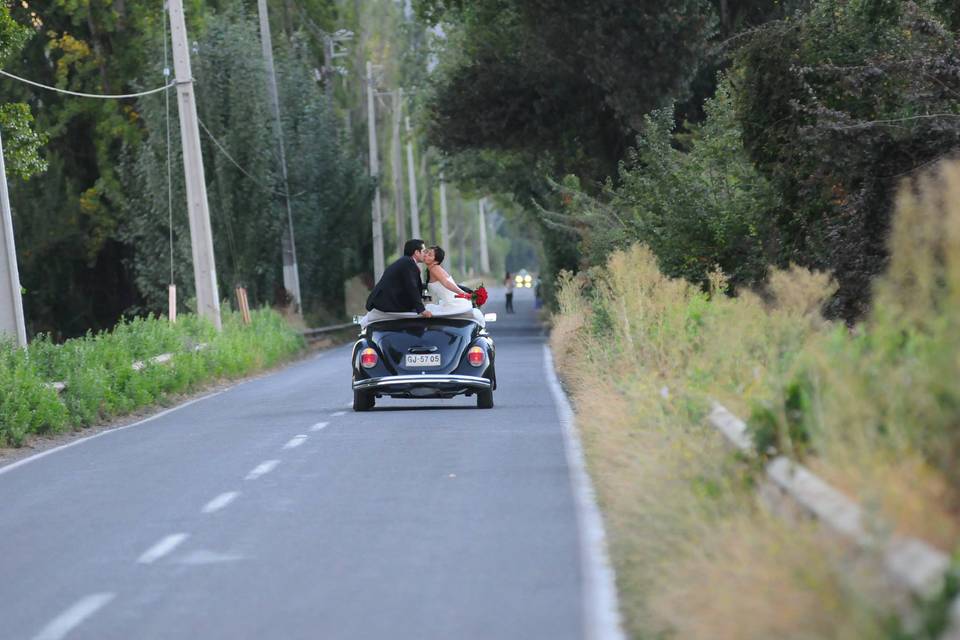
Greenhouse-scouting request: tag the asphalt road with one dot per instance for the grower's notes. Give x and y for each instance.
(272, 510)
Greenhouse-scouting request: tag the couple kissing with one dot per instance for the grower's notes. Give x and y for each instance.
(400, 288)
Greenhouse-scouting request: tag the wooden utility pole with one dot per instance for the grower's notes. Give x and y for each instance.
(428, 193)
(396, 168)
(201, 236)
(444, 223)
(291, 272)
(484, 252)
(463, 238)
(378, 265)
(412, 175)
(11, 301)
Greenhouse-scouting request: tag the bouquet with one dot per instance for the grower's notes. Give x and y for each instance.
(478, 297)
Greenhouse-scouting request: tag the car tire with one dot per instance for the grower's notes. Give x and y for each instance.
(485, 399)
(363, 401)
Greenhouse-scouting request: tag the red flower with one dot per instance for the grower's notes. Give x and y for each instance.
(478, 298)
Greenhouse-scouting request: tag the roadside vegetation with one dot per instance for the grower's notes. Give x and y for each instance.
(872, 407)
(101, 382)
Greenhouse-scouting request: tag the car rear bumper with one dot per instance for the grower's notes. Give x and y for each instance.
(423, 386)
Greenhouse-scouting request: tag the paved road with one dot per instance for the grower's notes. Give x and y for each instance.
(271, 510)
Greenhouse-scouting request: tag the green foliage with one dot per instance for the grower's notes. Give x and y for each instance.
(563, 79)
(836, 105)
(26, 406)
(101, 383)
(247, 210)
(21, 143)
(697, 207)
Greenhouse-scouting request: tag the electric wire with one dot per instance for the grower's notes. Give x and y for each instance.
(229, 157)
(118, 96)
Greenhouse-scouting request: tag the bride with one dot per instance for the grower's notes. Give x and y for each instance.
(442, 287)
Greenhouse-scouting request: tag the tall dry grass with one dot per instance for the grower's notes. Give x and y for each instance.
(875, 409)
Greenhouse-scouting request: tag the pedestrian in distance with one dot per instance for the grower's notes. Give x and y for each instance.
(509, 284)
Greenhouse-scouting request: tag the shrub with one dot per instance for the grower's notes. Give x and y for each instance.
(101, 383)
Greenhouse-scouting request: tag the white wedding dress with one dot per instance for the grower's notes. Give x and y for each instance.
(446, 302)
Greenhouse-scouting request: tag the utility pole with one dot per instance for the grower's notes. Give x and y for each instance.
(328, 52)
(11, 301)
(463, 238)
(412, 175)
(396, 168)
(484, 253)
(444, 226)
(291, 274)
(201, 236)
(375, 174)
(428, 192)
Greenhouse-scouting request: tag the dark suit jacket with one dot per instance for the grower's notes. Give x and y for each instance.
(400, 288)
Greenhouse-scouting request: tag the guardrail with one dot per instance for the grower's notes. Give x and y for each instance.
(164, 358)
(911, 564)
(139, 365)
(312, 333)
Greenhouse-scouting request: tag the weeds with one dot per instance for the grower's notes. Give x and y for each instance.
(874, 409)
(101, 383)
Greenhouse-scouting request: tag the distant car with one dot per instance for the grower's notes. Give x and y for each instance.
(438, 357)
(523, 279)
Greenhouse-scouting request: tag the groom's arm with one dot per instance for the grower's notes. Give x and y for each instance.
(412, 286)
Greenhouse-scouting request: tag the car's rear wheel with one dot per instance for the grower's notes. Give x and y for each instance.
(485, 399)
(363, 400)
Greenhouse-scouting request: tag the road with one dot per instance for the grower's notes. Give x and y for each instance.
(272, 510)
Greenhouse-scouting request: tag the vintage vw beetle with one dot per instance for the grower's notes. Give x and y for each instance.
(415, 357)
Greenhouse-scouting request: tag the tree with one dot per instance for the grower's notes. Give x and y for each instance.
(247, 208)
(21, 142)
(837, 105)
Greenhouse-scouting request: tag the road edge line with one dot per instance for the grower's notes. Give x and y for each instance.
(43, 454)
(601, 609)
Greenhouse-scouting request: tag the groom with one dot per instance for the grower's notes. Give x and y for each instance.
(400, 285)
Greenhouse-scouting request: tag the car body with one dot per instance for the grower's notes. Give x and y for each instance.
(439, 357)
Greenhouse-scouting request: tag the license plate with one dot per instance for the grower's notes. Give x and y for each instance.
(423, 359)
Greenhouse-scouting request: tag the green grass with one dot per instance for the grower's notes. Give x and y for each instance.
(101, 384)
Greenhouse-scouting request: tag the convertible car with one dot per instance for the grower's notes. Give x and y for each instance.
(413, 357)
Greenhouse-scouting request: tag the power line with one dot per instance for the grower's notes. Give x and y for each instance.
(87, 95)
(229, 157)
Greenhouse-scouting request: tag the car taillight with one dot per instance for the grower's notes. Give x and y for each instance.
(476, 356)
(368, 358)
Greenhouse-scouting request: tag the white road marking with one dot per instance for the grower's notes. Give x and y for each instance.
(162, 548)
(64, 623)
(349, 405)
(600, 608)
(43, 454)
(220, 501)
(295, 441)
(262, 469)
(339, 413)
(319, 426)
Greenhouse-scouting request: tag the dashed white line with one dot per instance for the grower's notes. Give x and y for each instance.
(64, 623)
(319, 426)
(339, 413)
(162, 548)
(262, 469)
(220, 501)
(295, 441)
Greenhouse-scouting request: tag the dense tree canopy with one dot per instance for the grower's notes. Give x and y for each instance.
(837, 106)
